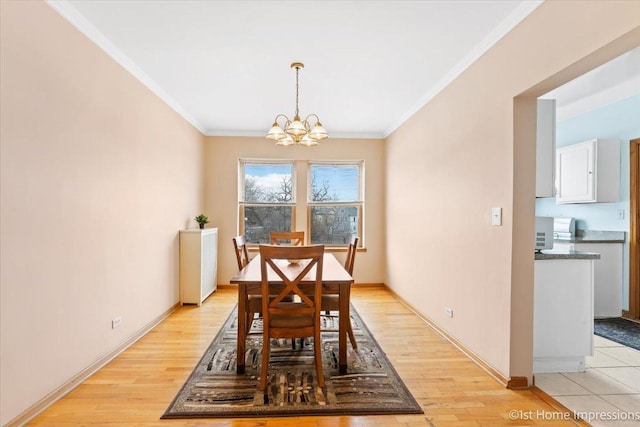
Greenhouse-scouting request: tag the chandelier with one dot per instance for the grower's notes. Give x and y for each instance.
(297, 131)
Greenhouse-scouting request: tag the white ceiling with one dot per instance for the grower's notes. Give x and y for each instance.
(611, 82)
(224, 65)
(369, 65)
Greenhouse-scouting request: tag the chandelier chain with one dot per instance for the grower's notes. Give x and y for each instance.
(297, 72)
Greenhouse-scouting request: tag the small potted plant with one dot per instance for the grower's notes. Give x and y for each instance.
(202, 220)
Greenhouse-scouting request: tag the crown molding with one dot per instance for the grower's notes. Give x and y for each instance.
(485, 44)
(261, 134)
(67, 11)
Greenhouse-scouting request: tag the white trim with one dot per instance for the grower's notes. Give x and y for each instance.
(480, 49)
(333, 135)
(236, 133)
(64, 8)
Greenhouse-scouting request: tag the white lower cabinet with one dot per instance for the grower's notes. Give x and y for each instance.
(198, 264)
(562, 315)
(607, 278)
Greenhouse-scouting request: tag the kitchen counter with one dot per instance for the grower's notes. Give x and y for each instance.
(595, 236)
(565, 254)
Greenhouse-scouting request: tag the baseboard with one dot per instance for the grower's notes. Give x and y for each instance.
(369, 285)
(355, 285)
(75, 381)
(518, 383)
(515, 382)
(557, 406)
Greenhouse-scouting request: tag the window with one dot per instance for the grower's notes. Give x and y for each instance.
(267, 198)
(335, 198)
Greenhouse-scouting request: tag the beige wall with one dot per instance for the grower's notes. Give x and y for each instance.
(460, 155)
(97, 177)
(221, 193)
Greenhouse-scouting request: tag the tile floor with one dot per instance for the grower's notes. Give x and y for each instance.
(610, 385)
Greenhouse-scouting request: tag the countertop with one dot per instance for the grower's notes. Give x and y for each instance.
(563, 254)
(595, 236)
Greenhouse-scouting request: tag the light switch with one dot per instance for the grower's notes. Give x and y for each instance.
(496, 216)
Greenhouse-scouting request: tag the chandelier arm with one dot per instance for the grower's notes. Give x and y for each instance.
(287, 121)
(314, 115)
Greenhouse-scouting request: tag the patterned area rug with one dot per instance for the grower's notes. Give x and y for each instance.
(620, 330)
(371, 385)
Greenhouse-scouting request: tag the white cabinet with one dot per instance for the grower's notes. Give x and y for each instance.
(562, 315)
(545, 146)
(198, 264)
(607, 278)
(588, 172)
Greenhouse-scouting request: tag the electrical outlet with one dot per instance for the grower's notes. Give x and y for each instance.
(620, 213)
(116, 322)
(448, 311)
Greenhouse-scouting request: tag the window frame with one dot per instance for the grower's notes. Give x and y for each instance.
(243, 204)
(359, 204)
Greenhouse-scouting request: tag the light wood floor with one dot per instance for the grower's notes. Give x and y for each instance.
(136, 387)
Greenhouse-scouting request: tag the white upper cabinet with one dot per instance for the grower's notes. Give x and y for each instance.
(545, 146)
(588, 172)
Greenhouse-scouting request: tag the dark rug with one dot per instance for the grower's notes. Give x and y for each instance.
(371, 385)
(622, 331)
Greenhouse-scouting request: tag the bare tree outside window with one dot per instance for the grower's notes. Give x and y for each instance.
(335, 203)
(268, 200)
(334, 199)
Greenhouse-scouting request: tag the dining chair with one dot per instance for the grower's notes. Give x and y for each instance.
(332, 302)
(296, 318)
(254, 302)
(296, 238)
(242, 253)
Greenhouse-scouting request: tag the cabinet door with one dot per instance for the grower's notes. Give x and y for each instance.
(608, 278)
(575, 173)
(209, 264)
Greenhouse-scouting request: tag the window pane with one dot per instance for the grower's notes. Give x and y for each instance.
(260, 221)
(268, 183)
(339, 183)
(334, 224)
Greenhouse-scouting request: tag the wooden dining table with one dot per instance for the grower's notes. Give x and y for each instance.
(335, 280)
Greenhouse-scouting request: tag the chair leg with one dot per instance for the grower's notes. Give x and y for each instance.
(352, 338)
(317, 350)
(266, 347)
(249, 322)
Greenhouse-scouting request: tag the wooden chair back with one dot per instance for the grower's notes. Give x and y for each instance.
(351, 255)
(242, 253)
(295, 237)
(284, 317)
